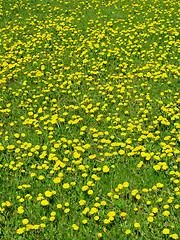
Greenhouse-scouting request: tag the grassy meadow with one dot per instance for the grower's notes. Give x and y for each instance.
(89, 119)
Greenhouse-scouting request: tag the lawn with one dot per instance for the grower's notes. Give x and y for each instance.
(89, 119)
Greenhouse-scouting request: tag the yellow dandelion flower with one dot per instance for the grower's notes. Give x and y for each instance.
(75, 227)
(57, 180)
(121, 152)
(174, 236)
(128, 231)
(125, 184)
(166, 231)
(82, 202)
(44, 202)
(76, 155)
(137, 225)
(105, 169)
(66, 185)
(20, 230)
(59, 205)
(25, 221)
(111, 214)
(99, 235)
(150, 219)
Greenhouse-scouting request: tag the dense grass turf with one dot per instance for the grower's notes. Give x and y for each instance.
(89, 119)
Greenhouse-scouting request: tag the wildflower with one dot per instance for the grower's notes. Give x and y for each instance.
(123, 214)
(53, 213)
(90, 192)
(166, 231)
(75, 227)
(99, 235)
(44, 202)
(111, 214)
(174, 236)
(84, 221)
(82, 202)
(76, 155)
(66, 210)
(93, 210)
(125, 184)
(106, 221)
(20, 230)
(155, 210)
(59, 205)
(103, 203)
(150, 219)
(20, 210)
(138, 196)
(42, 225)
(166, 213)
(128, 231)
(134, 192)
(48, 194)
(137, 225)
(25, 221)
(120, 186)
(96, 218)
(84, 188)
(66, 185)
(57, 180)
(105, 169)
(121, 152)
(41, 177)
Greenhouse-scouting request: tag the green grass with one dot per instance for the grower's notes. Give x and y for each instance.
(89, 110)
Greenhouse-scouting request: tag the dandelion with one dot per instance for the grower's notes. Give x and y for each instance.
(75, 227)
(150, 219)
(52, 219)
(42, 225)
(90, 192)
(99, 235)
(44, 202)
(84, 221)
(48, 194)
(59, 205)
(57, 180)
(96, 218)
(166, 213)
(105, 169)
(82, 202)
(25, 221)
(155, 210)
(121, 152)
(66, 210)
(20, 230)
(103, 203)
(174, 236)
(128, 231)
(66, 185)
(41, 177)
(76, 155)
(106, 221)
(20, 210)
(111, 214)
(166, 231)
(136, 225)
(125, 184)
(84, 188)
(123, 214)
